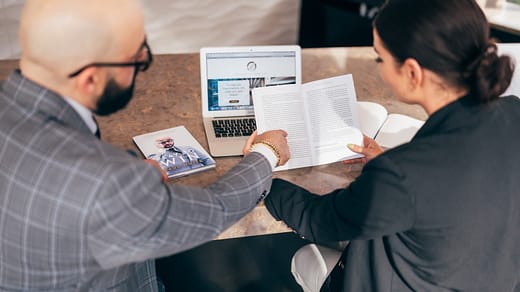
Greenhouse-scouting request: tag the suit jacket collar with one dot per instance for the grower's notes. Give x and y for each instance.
(33, 98)
(460, 113)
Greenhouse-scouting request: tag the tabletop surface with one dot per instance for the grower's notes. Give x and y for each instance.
(168, 95)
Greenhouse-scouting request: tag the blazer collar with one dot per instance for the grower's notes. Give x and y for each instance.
(458, 114)
(36, 99)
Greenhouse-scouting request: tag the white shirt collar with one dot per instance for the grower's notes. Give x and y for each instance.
(84, 113)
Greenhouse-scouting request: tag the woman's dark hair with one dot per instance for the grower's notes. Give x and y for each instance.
(448, 37)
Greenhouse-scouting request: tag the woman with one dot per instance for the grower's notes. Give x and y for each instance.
(440, 213)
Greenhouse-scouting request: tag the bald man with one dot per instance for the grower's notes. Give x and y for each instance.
(77, 214)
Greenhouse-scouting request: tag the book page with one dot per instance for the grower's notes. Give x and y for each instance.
(333, 120)
(397, 129)
(281, 107)
(371, 117)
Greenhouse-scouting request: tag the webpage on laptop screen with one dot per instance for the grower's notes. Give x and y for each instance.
(232, 76)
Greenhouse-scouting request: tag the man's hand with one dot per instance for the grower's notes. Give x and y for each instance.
(275, 139)
(158, 166)
(370, 150)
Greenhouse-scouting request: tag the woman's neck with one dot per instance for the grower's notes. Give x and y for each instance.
(438, 95)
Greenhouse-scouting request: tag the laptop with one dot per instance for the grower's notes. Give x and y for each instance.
(228, 75)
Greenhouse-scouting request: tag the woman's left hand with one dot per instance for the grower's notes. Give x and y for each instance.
(370, 150)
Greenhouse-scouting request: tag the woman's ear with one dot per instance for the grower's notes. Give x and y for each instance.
(413, 72)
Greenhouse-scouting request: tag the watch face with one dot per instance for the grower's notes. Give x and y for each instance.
(251, 66)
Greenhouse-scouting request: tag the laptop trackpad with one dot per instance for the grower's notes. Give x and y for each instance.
(227, 147)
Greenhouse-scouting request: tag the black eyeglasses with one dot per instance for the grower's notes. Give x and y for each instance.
(139, 66)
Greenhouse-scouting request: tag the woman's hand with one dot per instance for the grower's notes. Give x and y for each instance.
(370, 150)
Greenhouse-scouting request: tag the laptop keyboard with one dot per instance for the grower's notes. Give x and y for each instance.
(234, 127)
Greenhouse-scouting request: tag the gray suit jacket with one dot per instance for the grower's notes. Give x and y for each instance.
(77, 214)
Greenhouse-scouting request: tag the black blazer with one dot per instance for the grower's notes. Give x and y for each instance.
(441, 213)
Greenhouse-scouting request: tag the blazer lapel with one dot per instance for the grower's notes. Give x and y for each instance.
(35, 99)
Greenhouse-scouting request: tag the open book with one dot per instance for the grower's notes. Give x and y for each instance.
(389, 130)
(323, 116)
(176, 151)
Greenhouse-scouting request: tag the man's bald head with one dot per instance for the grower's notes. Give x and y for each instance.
(60, 36)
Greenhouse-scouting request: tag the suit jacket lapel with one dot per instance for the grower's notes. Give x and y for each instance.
(35, 99)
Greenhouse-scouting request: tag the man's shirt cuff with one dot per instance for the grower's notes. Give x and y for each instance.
(267, 153)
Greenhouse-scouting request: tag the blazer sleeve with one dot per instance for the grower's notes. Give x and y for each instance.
(377, 203)
(137, 217)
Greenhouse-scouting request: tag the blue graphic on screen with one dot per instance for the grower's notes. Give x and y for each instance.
(238, 91)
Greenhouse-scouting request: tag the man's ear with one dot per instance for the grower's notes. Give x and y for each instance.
(414, 73)
(90, 83)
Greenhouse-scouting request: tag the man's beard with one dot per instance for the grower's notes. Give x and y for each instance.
(114, 98)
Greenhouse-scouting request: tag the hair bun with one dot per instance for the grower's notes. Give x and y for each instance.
(493, 74)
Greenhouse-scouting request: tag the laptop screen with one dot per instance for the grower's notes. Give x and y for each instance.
(231, 76)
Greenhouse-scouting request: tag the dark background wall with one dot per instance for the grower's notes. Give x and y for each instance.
(331, 23)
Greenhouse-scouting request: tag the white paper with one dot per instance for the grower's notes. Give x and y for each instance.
(397, 129)
(389, 130)
(332, 114)
(320, 118)
(281, 107)
(371, 117)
